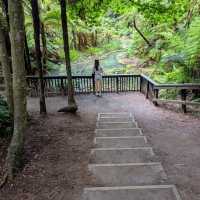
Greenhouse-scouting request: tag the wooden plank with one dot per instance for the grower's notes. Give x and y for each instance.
(176, 102)
(178, 86)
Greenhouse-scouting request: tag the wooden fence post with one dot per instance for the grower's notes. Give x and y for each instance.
(63, 88)
(117, 84)
(141, 83)
(183, 98)
(156, 95)
(147, 92)
(93, 85)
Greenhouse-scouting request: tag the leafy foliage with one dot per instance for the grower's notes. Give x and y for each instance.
(95, 27)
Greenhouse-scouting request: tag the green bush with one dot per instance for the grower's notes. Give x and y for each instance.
(168, 94)
(112, 46)
(94, 51)
(74, 55)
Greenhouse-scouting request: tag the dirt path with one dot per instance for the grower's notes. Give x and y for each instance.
(58, 147)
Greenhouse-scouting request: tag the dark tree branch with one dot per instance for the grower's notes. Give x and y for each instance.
(140, 33)
(190, 13)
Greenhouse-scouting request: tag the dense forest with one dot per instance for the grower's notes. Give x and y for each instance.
(41, 37)
(160, 37)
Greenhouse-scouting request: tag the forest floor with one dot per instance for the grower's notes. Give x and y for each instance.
(58, 147)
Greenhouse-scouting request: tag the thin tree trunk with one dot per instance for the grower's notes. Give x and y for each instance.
(7, 37)
(27, 58)
(36, 24)
(5, 9)
(140, 33)
(6, 64)
(74, 38)
(96, 38)
(72, 107)
(44, 46)
(15, 151)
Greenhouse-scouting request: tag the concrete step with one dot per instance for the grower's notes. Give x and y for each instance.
(123, 155)
(120, 142)
(128, 174)
(112, 125)
(155, 192)
(122, 114)
(118, 132)
(116, 119)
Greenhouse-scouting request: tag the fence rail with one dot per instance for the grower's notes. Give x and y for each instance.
(56, 85)
(151, 89)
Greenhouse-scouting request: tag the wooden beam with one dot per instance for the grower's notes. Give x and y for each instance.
(176, 102)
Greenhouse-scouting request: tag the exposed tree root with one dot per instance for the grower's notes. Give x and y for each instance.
(69, 109)
(4, 181)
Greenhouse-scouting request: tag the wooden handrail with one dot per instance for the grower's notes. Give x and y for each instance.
(176, 102)
(83, 76)
(113, 83)
(85, 84)
(149, 79)
(155, 84)
(178, 86)
(171, 85)
(152, 90)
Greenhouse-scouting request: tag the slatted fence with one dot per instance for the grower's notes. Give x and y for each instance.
(56, 85)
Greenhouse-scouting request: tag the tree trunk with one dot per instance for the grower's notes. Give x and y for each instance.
(27, 58)
(5, 9)
(15, 151)
(74, 38)
(94, 38)
(6, 64)
(44, 46)
(72, 107)
(36, 24)
(7, 37)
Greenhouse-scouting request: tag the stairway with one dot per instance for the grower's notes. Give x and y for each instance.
(124, 164)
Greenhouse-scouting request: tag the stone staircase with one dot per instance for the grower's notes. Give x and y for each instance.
(123, 163)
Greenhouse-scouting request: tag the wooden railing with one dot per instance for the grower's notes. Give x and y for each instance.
(151, 90)
(56, 85)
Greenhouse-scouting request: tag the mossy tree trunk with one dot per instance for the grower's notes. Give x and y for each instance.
(6, 64)
(72, 107)
(15, 151)
(37, 31)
